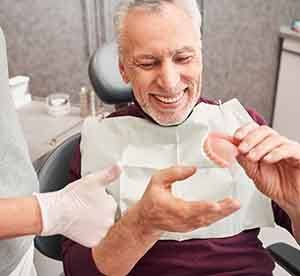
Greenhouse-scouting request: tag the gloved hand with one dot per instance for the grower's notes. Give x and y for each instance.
(82, 211)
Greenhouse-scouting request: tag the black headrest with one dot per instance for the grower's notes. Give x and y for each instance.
(105, 76)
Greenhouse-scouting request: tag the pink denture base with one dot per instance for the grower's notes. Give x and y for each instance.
(220, 148)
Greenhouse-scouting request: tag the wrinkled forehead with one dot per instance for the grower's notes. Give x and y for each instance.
(168, 29)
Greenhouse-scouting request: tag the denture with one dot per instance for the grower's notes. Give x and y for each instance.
(221, 149)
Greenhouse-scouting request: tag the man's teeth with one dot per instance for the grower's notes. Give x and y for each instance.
(169, 99)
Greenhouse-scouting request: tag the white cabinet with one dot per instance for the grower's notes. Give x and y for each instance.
(286, 119)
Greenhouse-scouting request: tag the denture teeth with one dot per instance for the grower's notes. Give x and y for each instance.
(169, 99)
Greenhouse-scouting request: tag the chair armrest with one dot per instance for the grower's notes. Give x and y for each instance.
(286, 256)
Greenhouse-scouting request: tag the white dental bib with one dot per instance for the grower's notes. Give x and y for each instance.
(142, 147)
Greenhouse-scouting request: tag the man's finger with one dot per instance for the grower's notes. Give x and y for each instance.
(167, 177)
(203, 207)
(205, 213)
(243, 131)
(249, 166)
(255, 137)
(214, 208)
(228, 205)
(290, 150)
(266, 146)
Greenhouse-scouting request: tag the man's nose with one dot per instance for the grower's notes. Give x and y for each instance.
(169, 76)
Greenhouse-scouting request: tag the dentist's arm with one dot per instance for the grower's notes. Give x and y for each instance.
(82, 211)
(19, 217)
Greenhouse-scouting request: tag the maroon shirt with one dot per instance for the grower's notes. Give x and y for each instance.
(242, 254)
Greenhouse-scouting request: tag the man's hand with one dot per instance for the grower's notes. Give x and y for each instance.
(273, 162)
(157, 211)
(82, 211)
(160, 211)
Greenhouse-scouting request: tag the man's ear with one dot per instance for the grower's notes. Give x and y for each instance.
(123, 72)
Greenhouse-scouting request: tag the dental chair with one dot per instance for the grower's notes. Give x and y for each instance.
(287, 256)
(105, 76)
(53, 171)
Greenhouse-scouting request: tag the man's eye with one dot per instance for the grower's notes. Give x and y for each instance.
(184, 59)
(147, 66)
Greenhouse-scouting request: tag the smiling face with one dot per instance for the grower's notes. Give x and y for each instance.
(161, 58)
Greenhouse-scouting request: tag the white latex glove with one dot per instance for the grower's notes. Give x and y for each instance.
(82, 211)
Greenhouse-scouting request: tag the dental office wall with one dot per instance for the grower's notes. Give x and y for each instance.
(51, 41)
(46, 41)
(241, 49)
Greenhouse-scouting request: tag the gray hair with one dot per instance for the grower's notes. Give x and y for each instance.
(125, 6)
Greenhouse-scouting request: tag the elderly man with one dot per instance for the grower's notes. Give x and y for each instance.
(160, 55)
